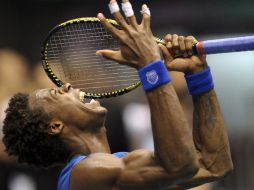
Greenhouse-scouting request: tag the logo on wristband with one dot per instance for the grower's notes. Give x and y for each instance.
(152, 77)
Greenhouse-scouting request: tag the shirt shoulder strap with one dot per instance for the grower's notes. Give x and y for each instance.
(64, 177)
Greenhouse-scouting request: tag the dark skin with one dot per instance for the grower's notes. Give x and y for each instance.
(209, 133)
(80, 125)
(175, 163)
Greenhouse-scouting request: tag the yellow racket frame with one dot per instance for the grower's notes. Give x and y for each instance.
(59, 83)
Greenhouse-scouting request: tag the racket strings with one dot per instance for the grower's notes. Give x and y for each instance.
(71, 55)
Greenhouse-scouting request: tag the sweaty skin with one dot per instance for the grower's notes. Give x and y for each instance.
(72, 119)
(209, 132)
(176, 162)
(174, 159)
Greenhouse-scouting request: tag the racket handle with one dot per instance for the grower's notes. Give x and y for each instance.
(224, 45)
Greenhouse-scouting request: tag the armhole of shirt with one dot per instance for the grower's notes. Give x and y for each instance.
(65, 175)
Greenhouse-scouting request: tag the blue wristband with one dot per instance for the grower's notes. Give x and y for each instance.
(200, 83)
(154, 75)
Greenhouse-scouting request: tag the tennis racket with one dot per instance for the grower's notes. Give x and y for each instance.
(68, 55)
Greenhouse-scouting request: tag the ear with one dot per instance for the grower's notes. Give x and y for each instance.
(55, 127)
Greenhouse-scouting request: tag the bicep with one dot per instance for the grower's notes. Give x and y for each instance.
(143, 171)
(137, 170)
(150, 177)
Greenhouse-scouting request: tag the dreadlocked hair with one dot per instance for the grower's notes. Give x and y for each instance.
(26, 136)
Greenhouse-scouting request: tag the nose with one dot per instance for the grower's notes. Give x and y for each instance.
(65, 88)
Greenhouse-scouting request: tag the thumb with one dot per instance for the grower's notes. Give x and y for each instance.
(111, 55)
(165, 53)
(108, 54)
(117, 57)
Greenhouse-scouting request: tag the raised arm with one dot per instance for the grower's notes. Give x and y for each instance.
(174, 147)
(172, 138)
(209, 133)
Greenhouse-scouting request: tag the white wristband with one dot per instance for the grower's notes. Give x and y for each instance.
(113, 7)
(127, 9)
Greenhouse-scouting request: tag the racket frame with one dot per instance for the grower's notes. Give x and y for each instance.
(58, 82)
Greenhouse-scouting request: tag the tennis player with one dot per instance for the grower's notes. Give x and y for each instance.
(53, 126)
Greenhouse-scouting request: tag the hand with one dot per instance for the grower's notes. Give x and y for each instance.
(182, 46)
(138, 46)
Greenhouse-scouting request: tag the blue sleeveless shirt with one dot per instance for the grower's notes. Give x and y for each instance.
(64, 178)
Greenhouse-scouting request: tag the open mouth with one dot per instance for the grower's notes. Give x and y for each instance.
(90, 103)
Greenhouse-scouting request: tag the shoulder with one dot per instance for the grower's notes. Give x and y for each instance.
(96, 171)
(100, 160)
(102, 168)
(104, 160)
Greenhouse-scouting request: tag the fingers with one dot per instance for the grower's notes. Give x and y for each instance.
(181, 41)
(172, 44)
(113, 30)
(189, 42)
(117, 57)
(168, 38)
(115, 11)
(172, 64)
(175, 45)
(165, 53)
(113, 6)
(146, 21)
(110, 54)
(168, 41)
(129, 13)
(106, 53)
(180, 46)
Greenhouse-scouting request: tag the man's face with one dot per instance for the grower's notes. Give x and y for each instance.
(65, 104)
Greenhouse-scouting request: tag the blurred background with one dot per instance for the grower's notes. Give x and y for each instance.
(25, 24)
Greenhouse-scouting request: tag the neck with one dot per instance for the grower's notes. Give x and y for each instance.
(88, 142)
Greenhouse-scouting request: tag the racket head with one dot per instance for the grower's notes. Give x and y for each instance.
(57, 51)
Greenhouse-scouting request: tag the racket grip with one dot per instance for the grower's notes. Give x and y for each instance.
(224, 45)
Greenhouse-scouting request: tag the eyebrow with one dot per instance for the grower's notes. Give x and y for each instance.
(43, 94)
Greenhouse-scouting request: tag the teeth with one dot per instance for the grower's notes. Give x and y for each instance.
(81, 96)
(92, 101)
